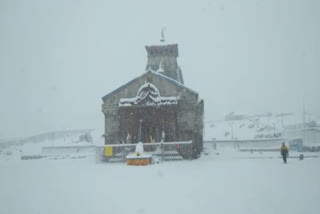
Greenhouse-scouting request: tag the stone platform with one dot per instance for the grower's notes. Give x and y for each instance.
(141, 160)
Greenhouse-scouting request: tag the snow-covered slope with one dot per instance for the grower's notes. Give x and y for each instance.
(251, 128)
(15, 149)
(244, 127)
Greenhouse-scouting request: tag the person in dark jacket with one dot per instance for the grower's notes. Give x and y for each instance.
(284, 151)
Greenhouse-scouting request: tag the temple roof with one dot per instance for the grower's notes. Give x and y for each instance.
(178, 84)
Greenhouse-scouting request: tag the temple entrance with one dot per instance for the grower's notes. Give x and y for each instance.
(152, 120)
(144, 117)
(149, 132)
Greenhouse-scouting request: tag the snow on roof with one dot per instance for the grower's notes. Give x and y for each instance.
(172, 80)
(153, 72)
(150, 87)
(161, 101)
(151, 92)
(121, 87)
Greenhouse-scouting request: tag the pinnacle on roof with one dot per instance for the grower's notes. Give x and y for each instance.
(162, 34)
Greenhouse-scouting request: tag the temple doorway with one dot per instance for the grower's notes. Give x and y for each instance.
(151, 120)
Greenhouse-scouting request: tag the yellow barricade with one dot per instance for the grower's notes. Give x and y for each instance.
(108, 151)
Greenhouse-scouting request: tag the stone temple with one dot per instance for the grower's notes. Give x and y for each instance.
(154, 103)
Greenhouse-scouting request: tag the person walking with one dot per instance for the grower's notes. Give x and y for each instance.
(284, 151)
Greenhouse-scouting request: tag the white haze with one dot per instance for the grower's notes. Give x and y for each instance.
(58, 58)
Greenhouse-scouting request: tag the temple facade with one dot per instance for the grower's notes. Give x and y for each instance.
(155, 103)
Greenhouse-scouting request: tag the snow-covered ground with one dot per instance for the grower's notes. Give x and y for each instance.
(251, 127)
(224, 181)
(50, 144)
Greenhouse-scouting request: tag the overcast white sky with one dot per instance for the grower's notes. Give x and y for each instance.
(58, 58)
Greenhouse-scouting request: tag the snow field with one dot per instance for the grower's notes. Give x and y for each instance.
(224, 183)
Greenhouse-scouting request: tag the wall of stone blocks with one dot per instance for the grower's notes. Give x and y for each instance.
(189, 114)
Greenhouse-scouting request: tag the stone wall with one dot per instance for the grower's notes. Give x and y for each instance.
(170, 65)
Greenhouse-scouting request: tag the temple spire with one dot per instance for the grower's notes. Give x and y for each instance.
(162, 34)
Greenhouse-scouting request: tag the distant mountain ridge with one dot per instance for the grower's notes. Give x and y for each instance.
(55, 135)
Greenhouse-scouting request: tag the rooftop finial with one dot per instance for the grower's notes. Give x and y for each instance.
(162, 34)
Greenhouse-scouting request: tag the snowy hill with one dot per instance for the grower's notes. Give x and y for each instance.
(247, 128)
(244, 127)
(65, 135)
(33, 145)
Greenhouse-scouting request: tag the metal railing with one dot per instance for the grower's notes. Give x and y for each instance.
(163, 151)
